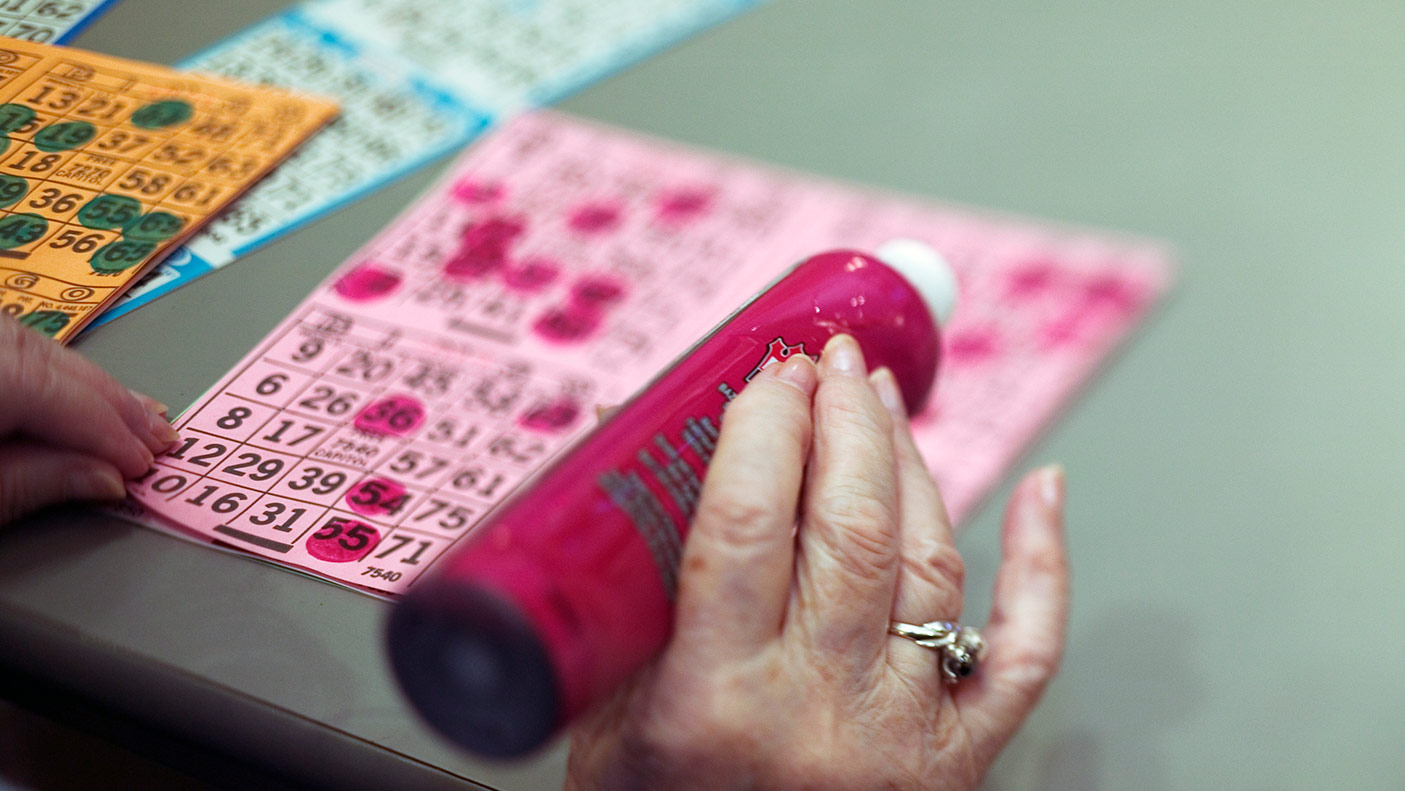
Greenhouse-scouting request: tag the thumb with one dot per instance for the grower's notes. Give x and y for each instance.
(33, 476)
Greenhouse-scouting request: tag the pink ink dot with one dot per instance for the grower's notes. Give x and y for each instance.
(972, 346)
(532, 275)
(1112, 292)
(1032, 281)
(566, 324)
(683, 205)
(597, 292)
(492, 232)
(484, 247)
(468, 265)
(471, 265)
(367, 282)
(394, 416)
(468, 190)
(1066, 330)
(595, 218)
(376, 497)
(342, 541)
(553, 416)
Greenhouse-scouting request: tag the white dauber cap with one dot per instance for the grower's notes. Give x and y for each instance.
(926, 270)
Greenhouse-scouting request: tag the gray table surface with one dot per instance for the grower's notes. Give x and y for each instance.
(1235, 511)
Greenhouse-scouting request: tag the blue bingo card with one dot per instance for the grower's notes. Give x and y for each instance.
(49, 21)
(513, 54)
(416, 79)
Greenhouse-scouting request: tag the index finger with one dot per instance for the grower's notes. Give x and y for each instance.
(56, 396)
(739, 558)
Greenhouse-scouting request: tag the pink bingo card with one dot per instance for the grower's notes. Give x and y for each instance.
(557, 267)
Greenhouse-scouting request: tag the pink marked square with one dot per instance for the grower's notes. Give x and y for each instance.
(382, 498)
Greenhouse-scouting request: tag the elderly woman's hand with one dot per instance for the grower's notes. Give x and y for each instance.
(68, 431)
(781, 672)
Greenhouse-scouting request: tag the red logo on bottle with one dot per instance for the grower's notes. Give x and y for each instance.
(778, 352)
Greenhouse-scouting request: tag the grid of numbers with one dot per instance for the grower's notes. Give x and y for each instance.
(44, 21)
(290, 458)
(155, 168)
(510, 55)
(390, 122)
(105, 164)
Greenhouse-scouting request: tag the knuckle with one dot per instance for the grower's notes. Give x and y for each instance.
(735, 520)
(1051, 565)
(852, 405)
(851, 505)
(937, 564)
(863, 526)
(1029, 669)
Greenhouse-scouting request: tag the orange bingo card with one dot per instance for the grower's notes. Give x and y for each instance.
(107, 164)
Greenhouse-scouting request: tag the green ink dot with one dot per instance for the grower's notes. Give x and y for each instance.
(120, 256)
(106, 212)
(14, 116)
(62, 137)
(46, 322)
(12, 188)
(153, 227)
(162, 114)
(19, 229)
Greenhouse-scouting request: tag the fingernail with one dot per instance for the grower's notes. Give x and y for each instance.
(151, 404)
(1051, 485)
(886, 385)
(95, 484)
(799, 371)
(842, 355)
(161, 430)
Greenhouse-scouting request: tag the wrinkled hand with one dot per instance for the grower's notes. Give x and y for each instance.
(68, 431)
(781, 673)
